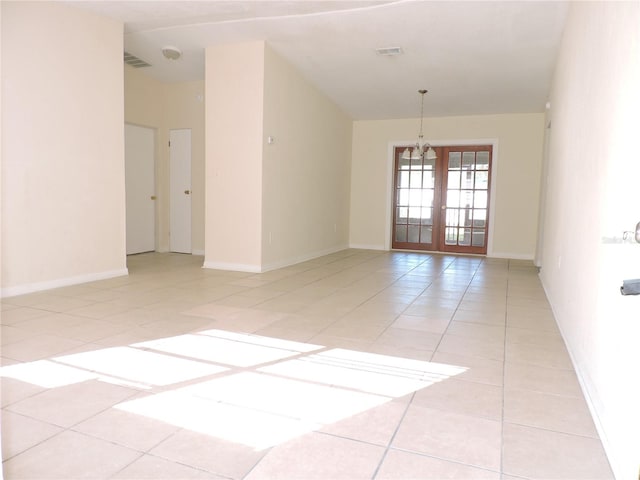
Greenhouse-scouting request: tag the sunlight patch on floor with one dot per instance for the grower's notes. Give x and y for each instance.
(242, 388)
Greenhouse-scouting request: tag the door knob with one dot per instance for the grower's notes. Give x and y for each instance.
(187, 192)
(153, 197)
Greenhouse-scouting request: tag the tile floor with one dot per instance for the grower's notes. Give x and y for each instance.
(356, 365)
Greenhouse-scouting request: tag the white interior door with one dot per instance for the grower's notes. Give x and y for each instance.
(180, 190)
(140, 188)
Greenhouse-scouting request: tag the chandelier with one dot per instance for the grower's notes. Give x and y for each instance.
(418, 152)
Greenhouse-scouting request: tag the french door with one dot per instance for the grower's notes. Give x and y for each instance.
(442, 204)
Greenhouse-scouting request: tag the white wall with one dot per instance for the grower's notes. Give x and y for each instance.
(517, 161)
(306, 170)
(63, 210)
(592, 197)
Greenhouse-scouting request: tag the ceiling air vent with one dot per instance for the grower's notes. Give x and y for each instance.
(389, 51)
(134, 61)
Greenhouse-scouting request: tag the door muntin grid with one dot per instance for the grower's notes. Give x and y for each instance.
(414, 203)
(442, 204)
(467, 199)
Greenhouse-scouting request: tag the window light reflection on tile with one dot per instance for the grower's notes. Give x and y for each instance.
(253, 428)
(287, 397)
(240, 350)
(260, 408)
(264, 341)
(140, 366)
(46, 373)
(372, 373)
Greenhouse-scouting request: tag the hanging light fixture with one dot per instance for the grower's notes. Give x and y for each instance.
(418, 152)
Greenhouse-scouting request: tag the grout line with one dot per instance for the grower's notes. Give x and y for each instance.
(393, 436)
(504, 367)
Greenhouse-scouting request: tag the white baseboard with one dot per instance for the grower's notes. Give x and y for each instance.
(234, 267)
(198, 253)
(302, 258)
(367, 247)
(510, 256)
(240, 267)
(60, 282)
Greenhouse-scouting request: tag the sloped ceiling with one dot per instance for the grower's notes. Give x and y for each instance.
(476, 57)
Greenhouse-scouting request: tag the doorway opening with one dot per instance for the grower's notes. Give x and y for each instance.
(442, 204)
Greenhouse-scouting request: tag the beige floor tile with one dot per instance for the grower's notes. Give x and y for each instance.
(69, 455)
(401, 338)
(207, 453)
(463, 397)
(554, 356)
(61, 304)
(5, 306)
(476, 330)
(98, 310)
(297, 334)
(38, 347)
(540, 379)
(401, 351)
(319, 456)
(68, 405)
(425, 310)
(534, 337)
(543, 313)
(126, 429)
(375, 318)
(331, 341)
(149, 467)
(375, 425)
(422, 324)
(11, 334)
(477, 316)
(91, 330)
(12, 390)
(436, 302)
(399, 465)
(474, 347)
(461, 438)
(496, 308)
(52, 323)
(20, 433)
(20, 314)
(541, 454)
(552, 412)
(359, 330)
(481, 370)
(535, 322)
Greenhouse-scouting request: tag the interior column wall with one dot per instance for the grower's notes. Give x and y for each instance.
(234, 100)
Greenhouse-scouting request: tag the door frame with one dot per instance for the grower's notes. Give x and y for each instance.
(442, 143)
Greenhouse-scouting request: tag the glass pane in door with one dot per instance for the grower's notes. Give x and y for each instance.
(414, 202)
(442, 204)
(466, 200)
